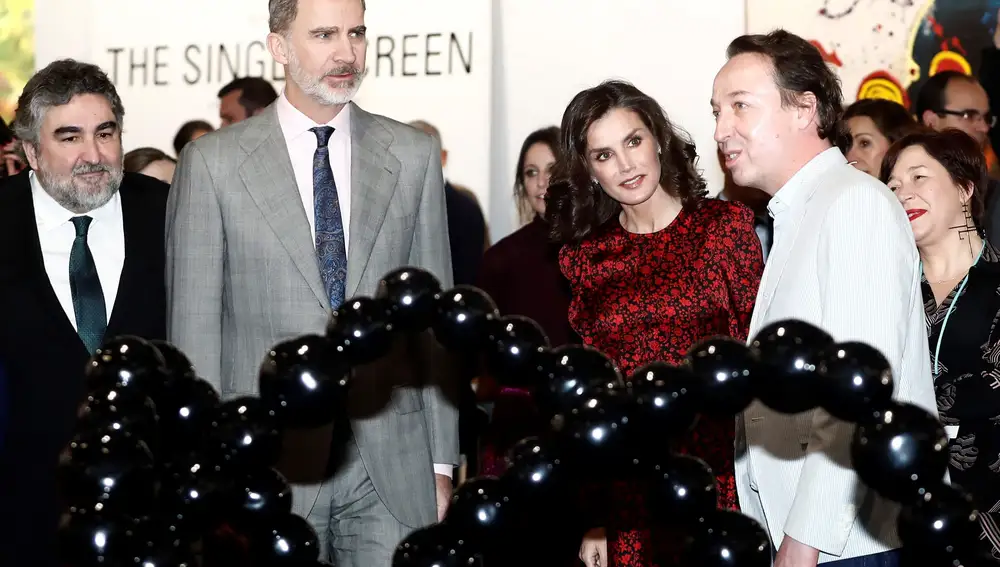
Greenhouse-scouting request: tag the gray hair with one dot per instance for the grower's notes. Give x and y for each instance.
(427, 128)
(56, 85)
(281, 14)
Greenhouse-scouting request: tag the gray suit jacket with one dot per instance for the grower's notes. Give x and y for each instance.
(242, 275)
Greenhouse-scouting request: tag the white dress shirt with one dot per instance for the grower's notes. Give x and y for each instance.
(844, 260)
(56, 233)
(301, 143)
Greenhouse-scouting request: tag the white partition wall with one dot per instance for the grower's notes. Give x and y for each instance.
(486, 72)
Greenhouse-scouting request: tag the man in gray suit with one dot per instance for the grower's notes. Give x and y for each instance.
(273, 220)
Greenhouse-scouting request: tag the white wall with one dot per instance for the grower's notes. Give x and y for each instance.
(548, 50)
(544, 52)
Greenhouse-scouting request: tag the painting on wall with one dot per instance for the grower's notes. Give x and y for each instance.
(17, 52)
(886, 48)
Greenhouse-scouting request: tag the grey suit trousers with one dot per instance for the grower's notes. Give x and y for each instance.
(357, 530)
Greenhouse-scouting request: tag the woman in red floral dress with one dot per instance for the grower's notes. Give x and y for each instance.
(654, 265)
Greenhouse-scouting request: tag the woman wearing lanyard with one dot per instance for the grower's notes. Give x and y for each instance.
(940, 177)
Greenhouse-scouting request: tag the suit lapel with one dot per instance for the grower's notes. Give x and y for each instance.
(269, 179)
(374, 171)
(775, 266)
(26, 259)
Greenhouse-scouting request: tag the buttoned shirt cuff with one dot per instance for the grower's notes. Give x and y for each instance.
(445, 470)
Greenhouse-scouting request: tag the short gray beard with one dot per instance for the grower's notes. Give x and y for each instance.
(320, 91)
(76, 196)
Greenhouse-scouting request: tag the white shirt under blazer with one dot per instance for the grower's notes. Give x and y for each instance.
(843, 259)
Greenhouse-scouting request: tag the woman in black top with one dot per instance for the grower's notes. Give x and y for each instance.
(939, 178)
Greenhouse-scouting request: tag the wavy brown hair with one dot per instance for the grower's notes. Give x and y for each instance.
(575, 205)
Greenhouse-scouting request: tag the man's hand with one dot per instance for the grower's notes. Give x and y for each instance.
(442, 490)
(793, 553)
(594, 548)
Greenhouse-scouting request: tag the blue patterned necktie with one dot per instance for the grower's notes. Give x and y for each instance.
(331, 250)
(85, 286)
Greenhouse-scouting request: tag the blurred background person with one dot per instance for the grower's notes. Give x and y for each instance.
(190, 131)
(873, 125)
(152, 162)
(244, 97)
(13, 162)
(939, 178)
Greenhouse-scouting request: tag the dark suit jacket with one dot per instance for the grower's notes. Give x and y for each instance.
(44, 357)
(466, 234)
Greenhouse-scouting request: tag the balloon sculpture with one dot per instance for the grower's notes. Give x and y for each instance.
(162, 473)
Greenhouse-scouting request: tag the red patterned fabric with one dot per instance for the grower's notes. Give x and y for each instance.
(641, 298)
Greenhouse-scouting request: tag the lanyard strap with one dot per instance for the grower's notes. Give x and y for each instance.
(947, 314)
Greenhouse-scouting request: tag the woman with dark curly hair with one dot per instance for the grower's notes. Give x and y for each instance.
(654, 267)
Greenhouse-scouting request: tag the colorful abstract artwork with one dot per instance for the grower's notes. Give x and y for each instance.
(886, 48)
(17, 52)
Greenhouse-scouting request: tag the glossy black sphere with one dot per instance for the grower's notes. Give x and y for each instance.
(176, 363)
(788, 354)
(514, 346)
(260, 494)
(186, 409)
(728, 539)
(244, 433)
(726, 372)
(535, 466)
(410, 295)
(597, 430)
(572, 372)
(124, 410)
(305, 381)
(87, 539)
(461, 317)
(943, 523)
(194, 495)
(666, 398)
(682, 490)
(360, 330)
(901, 452)
(127, 362)
(479, 509)
(857, 381)
(108, 470)
(437, 545)
(284, 539)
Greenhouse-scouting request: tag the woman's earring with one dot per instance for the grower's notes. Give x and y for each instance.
(970, 225)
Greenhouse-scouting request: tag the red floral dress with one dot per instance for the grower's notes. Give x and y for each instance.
(641, 298)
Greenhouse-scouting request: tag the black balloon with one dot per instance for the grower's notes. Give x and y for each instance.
(410, 295)
(901, 452)
(127, 362)
(260, 494)
(154, 544)
(534, 466)
(597, 431)
(572, 372)
(244, 432)
(856, 379)
(305, 381)
(514, 347)
(726, 371)
(110, 470)
(193, 496)
(788, 354)
(176, 363)
(944, 523)
(728, 539)
(682, 490)
(122, 410)
(360, 330)
(478, 510)
(87, 539)
(461, 317)
(666, 399)
(436, 545)
(186, 409)
(283, 539)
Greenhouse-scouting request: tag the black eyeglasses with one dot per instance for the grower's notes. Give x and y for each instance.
(972, 116)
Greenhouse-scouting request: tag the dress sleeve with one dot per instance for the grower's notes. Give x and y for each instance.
(744, 266)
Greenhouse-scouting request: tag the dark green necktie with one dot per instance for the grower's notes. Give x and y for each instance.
(88, 298)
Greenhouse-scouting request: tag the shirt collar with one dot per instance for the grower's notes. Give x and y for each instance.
(798, 189)
(294, 123)
(49, 214)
